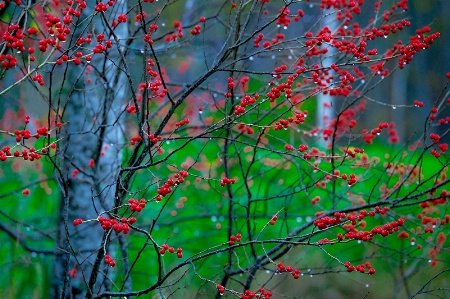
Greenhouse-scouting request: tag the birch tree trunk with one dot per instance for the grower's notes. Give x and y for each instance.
(91, 156)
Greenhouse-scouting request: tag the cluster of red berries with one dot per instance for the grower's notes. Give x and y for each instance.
(132, 109)
(276, 91)
(8, 61)
(227, 181)
(418, 103)
(258, 39)
(154, 139)
(338, 217)
(282, 268)
(137, 206)
(174, 35)
(135, 139)
(165, 248)
(5, 152)
(245, 101)
(14, 38)
(443, 148)
(236, 239)
(435, 137)
(284, 19)
(221, 289)
(25, 134)
(360, 268)
(77, 221)
(352, 153)
(288, 147)
(273, 220)
(302, 148)
(30, 155)
(196, 30)
(327, 221)
(351, 180)
(315, 200)
(38, 79)
(182, 122)
(245, 129)
(262, 294)
(230, 87)
(108, 223)
(178, 178)
(122, 18)
(364, 236)
(109, 260)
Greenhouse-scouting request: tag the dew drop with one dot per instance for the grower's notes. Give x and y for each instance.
(413, 243)
(367, 285)
(290, 57)
(299, 219)
(33, 254)
(363, 81)
(251, 58)
(273, 57)
(382, 77)
(213, 218)
(163, 24)
(394, 107)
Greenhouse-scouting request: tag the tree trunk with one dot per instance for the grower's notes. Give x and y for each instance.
(91, 158)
